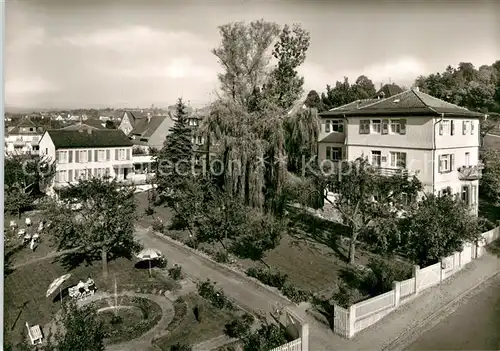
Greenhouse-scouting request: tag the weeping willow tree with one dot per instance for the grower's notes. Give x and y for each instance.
(250, 125)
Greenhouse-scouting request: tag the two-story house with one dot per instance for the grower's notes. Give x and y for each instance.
(411, 132)
(129, 120)
(23, 138)
(87, 152)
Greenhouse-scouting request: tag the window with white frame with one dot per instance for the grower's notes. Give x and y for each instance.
(62, 176)
(446, 163)
(444, 127)
(473, 195)
(398, 159)
(327, 126)
(398, 126)
(467, 158)
(62, 156)
(199, 140)
(334, 125)
(333, 153)
(364, 126)
(465, 127)
(376, 158)
(101, 155)
(121, 154)
(83, 157)
(377, 126)
(193, 122)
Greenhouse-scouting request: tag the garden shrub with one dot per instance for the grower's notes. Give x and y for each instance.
(192, 243)
(381, 275)
(346, 296)
(221, 257)
(295, 294)
(239, 327)
(180, 312)
(267, 277)
(217, 298)
(175, 272)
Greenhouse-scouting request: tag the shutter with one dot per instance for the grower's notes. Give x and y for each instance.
(340, 153)
(464, 130)
(96, 156)
(89, 156)
(70, 156)
(441, 128)
(385, 126)
(472, 125)
(440, 165)
(402, 123)
(128, 154)
(58, 155)
(89, 173)
(70, 175)
(452, 162)
(328, 152)
(116, 154)
(327, 126)
(452, 127)
(108, 155)
(77, 156)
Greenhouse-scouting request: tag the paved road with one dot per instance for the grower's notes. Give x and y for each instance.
(475, 325)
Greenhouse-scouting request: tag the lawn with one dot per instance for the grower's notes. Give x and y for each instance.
(26, 286)
(492, 142)
(190, 331)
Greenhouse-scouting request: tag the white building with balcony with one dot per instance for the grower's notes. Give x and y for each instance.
(80, 154)
(411, 132)
(23, 138)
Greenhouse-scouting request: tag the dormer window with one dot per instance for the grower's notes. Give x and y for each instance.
(334, 126)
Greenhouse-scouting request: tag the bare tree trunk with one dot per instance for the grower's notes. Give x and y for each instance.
(104, 258)
(352, 247)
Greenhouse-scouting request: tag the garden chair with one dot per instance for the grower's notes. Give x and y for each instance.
(35, 334)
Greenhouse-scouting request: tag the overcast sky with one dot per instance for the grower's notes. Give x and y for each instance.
(83, 53)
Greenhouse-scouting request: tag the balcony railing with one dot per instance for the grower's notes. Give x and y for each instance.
(395, 171)
(470, 172)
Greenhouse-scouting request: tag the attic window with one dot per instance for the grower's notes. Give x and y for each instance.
(144, 139)
(396, 101)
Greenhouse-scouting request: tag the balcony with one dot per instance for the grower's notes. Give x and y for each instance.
(388, 172)
(470, 172)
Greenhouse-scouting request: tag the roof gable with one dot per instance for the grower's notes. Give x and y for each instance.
(68, 139)
(145, 127)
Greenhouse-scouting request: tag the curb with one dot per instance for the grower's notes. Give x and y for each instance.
(231, 270)
(426, 324)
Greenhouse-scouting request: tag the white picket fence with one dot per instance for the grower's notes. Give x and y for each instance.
(348, 322)
(295, 345)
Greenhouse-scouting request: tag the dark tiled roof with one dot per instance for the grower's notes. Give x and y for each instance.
(25, 123)
(63, 139)
(145, 127)
(410, 102)
(352, 106)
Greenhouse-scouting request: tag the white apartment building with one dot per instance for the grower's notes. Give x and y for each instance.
(413, 132)
(87, 152)
(23, 138)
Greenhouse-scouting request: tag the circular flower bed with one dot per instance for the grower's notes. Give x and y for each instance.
(132, 317)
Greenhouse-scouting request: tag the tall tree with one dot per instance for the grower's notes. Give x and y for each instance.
(175, 159)
(438, 227)
(363, 197)
(285, 85)
(243, 53)
(365, 84)
(103, 224)
(246, 123)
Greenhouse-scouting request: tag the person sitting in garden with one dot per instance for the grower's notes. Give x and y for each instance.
(90, 283)
(81, 287)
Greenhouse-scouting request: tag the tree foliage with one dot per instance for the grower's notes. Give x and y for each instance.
(103, 222)
(175, 159)
(365, 199)
(464, 85)
(489, 184)
(79, 330)
(438, 227)
(344, 92)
